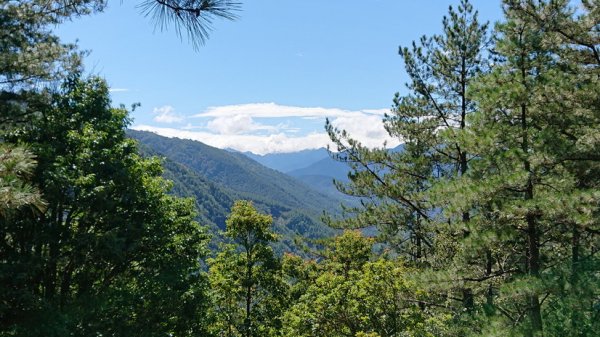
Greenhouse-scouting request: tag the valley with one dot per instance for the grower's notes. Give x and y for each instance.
(216, 178)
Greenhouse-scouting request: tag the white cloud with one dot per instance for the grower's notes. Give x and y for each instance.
(278, 142)
(237, 124)
(270, 110)
(239, 127)
(166, 114)
(189, 126)
(368, 130)
(118, 90)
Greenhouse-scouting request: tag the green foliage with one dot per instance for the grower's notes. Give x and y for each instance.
(488, 214)
(401, 185)
(30, 56)
(394, 185)
(227, 315)
(112, 253)
(349, 251)
(248, 290)
(30, 52)
(350, 295)
(532, 209)
(90, 243)
(495, 195)
(216, 177)
(16, 167)
(247, 227)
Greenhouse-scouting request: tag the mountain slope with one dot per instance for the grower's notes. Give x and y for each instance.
(327, 167)
(285, 162)
(217, 177)
(237, 172)
(320, 176)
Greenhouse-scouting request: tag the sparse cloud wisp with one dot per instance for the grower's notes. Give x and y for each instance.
(118, 90)
(166, 114)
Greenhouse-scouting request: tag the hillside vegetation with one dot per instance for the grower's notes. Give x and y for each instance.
(485, 223)
(216, 178)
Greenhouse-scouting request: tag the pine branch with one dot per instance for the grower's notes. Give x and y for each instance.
(190, 17)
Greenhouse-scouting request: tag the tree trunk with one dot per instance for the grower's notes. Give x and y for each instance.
(468, 297)
(533, 246)
(247, 320)
(489, 296)
(575, 246)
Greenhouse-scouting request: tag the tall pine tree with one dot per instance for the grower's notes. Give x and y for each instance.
(530, 185)
(428, 119)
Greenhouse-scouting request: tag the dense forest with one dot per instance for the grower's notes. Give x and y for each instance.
(487, 218)
(216, 178)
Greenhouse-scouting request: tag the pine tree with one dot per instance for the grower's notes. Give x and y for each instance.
(529, 189)
(428, 120)
(16, 167)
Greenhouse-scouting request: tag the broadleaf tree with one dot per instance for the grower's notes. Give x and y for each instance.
(246, 277)
(112, 253)
(32, 57)
(353, 292)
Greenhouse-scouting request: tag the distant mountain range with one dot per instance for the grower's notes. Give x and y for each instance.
(321, 174)
(315, 168)
(286, 162)
(295, 188)
(217, 177)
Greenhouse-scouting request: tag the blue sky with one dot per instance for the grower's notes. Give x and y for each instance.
(267, 81)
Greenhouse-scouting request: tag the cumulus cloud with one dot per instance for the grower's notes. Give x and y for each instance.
(367, 129)
(274, 143)
(237, 124)
(166, 114)
(244, 127)
(270, 110)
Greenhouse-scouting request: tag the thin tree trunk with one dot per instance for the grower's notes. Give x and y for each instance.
(533, 248)
(468, 298)
(535, 314)
(575, 246)
(489, 296)
(247, 320)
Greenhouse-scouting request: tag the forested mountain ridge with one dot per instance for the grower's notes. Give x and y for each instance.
(328, 167)
(217, 177)
(489, 217)
(322, 175)
(314, 168)
(287, 162)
